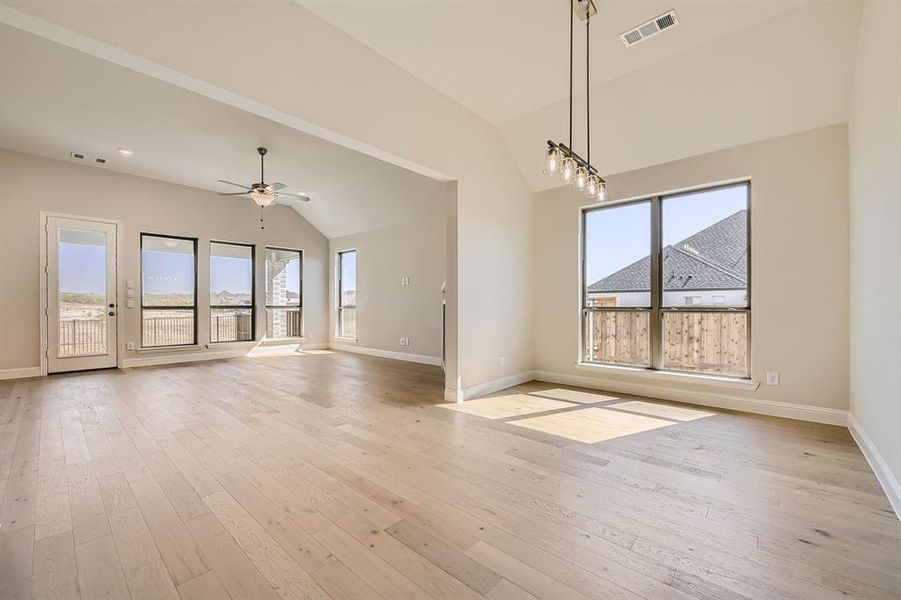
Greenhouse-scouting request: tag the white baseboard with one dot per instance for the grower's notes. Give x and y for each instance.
(816, 414)
(489, 387)
(20, 373)
(880, 467)
(417, 358)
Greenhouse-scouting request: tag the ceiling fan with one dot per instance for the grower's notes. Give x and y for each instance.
(263, 193)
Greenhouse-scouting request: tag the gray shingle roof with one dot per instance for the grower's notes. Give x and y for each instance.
(715, 258)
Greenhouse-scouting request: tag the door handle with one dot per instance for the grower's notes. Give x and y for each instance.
(112, 314)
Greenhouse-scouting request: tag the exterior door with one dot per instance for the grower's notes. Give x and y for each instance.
(81, 294)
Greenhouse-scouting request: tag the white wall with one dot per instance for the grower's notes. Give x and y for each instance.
(799, 263)
(342, 90)
(875, 212)
(386, 310)
(142, 205)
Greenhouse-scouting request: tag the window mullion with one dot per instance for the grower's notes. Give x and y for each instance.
(656, 322)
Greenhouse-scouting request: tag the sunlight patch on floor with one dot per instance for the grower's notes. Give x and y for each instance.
(574, 396)
(591, 425)
(667, 411)
(504, 407)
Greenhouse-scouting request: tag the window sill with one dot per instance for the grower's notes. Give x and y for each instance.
(162, 349)
(267, 341)
(672, 377)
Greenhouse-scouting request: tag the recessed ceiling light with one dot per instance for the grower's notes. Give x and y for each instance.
(126, 152)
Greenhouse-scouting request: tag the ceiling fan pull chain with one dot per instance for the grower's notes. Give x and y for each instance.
(261, 219)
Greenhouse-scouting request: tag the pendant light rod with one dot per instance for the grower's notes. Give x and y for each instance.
(587, 89)
(571, 12)
(262, 152)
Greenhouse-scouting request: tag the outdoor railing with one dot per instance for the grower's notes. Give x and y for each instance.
(80, 337)
(231, 328)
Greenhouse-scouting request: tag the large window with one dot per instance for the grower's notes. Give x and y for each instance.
(347, 294)
(666, 282)
(284, 300)
(168, 291)
(231, 292)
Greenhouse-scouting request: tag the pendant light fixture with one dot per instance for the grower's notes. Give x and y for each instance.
(560, 159)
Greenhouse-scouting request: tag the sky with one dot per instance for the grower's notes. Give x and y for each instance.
(618, 236)
(615, 237)
(231, 274)
(167, 272)
(349, 271)
(82, 268)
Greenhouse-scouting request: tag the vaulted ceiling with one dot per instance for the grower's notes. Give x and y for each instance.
(731, 73)
(503, 60)
(55, 101)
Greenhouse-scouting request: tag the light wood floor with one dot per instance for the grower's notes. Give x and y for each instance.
(338, 476)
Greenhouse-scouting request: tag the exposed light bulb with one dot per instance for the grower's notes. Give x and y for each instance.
(568, 169)
(262, 197)
(581, 178)
(552, 160)
(593, 186)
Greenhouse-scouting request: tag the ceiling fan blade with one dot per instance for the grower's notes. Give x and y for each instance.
(300, 197)
(240, 185)
(277, 186)
(236, 194)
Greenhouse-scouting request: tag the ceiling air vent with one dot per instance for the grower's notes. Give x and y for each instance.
(649, 29)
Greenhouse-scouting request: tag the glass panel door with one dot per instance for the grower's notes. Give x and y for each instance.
(81, 294)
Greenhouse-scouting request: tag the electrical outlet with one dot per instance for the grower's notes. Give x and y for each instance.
(405, 280)
(129, 345)
(772, 377)
(404, 341)
(130, 284)
(129, 303)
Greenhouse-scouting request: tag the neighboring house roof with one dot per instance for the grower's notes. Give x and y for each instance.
(715, 258)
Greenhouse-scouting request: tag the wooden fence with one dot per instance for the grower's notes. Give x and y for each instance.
(708, 342)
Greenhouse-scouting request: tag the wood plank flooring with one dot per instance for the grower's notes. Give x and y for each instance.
(339, 476)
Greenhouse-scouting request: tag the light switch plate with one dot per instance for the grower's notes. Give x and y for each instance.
(130, 284)
(130, 346)
(772, 378)
(130, 303)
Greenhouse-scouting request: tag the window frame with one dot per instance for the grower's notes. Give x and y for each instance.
(253, 291)
(299, 304)
(144, 307)
(657, 310)
(340, 293)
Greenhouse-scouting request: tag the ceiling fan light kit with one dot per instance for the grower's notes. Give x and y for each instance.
(560, 159)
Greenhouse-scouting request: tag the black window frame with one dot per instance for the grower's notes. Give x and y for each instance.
(194, 242)
(340, 300)
(657, 310)
(253, 291)
(299, 304)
